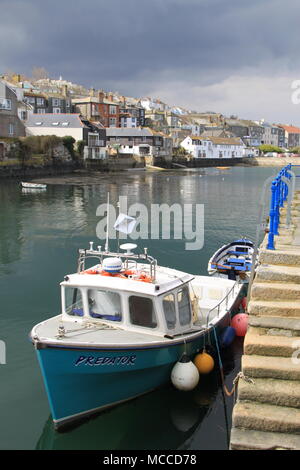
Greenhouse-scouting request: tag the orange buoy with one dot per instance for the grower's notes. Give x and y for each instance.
(204, 363)
(240, 323)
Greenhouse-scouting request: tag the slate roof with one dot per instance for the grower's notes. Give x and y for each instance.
(47, 120)
(128, 132)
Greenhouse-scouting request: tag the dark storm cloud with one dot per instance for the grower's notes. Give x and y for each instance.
(137, 46)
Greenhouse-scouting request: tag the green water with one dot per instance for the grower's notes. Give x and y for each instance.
(39, 237)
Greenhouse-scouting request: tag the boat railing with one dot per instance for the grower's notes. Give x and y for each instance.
(223, 302)
(85, 254)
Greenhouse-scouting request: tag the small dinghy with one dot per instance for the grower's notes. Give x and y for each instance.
(33, 185)
(232, 260)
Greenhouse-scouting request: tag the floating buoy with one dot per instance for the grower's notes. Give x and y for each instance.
(227, 336)
(240, 323)
(244, 303)
(204, 363)
(185, 375)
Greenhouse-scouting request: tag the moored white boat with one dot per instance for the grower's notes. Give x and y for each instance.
(125, 322)
(33, 185)
(233, 260)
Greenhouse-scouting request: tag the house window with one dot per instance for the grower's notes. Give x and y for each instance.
(169, 311)
(40, 101)
(112, 109)
(184, 308)
(142, 312)
(112, 122)
(5, 103)
(73, 301)
(41, 111)
(10, 129)
(56, 110)
(23, 115)
(55, 102)
(105, 305)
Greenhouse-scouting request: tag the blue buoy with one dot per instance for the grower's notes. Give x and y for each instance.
(227, 336)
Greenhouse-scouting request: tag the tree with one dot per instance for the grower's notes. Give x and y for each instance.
(39, 73)
(269, 148)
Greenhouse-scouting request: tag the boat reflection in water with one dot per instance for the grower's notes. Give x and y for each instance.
(163, 419)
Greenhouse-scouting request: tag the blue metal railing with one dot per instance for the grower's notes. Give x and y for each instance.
(279, 194)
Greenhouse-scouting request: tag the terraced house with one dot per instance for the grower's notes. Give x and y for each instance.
(10, 122)
(138, 141)
(213, 147)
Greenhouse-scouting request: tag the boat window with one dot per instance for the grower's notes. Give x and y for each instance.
(184, 308)
(104, 304)
(141, 311)
(73, 301)
(170, 311)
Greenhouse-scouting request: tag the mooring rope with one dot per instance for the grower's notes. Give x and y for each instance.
(239, 376)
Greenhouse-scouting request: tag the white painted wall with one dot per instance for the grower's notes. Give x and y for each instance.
(76, 133)
(212, 150)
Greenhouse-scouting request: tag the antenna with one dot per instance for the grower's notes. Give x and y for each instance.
(107, 223)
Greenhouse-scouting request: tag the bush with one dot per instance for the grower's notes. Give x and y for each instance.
(80, 147)
(69, 142)
(265, 148)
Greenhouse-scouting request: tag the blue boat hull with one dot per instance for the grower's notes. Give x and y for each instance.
(82, 381)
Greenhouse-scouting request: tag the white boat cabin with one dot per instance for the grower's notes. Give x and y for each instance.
(158, 301)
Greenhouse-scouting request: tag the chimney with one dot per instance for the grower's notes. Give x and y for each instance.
(101, 95)
(110, 97)
(65, 90)
(92, 92)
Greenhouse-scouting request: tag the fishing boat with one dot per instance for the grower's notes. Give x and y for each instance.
(33, 185)
(124, 323)
(232, 260)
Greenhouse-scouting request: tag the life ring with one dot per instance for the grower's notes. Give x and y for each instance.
(124, 275)
(105, 273)
(90, 271)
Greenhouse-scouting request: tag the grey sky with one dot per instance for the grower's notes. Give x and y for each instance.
(231, 56)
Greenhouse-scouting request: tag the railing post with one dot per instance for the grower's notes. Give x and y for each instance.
(270, 245)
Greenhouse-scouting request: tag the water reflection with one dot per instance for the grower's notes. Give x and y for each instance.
(11, 227)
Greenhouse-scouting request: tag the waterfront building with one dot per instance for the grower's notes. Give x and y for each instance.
(100, 108)
(249, 131)
(213, 147)
(140, 141)
(74, 125)
(291, 135)
(10, 122)
(131, 115)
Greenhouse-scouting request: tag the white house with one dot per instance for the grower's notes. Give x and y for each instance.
(213, 147)
(74, 125)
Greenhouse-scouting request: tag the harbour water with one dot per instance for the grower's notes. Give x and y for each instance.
(40, 233)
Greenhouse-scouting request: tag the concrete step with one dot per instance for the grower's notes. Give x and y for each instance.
(260, 342)
(265, 417)
(285, 368)
(249, 439)
(275, 290)
(290, 325)
(274, 308)
(290, 256)
(277, 273)
(272, 391)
